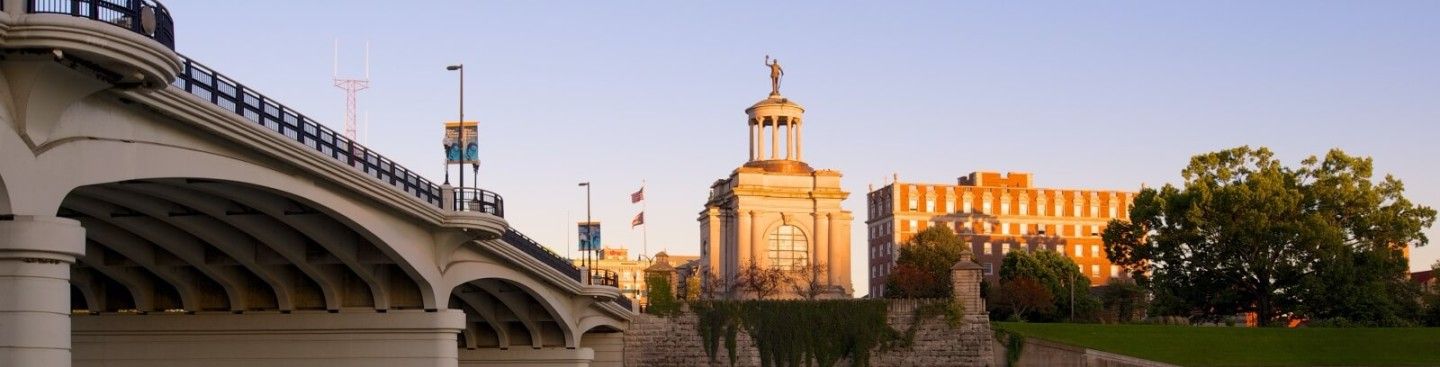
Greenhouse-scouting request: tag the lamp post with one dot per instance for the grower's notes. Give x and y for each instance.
(590, 236)
(463, 146)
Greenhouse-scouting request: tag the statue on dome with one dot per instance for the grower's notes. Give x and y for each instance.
(775, 73)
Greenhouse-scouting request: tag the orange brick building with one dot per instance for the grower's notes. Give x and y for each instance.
(996, 214)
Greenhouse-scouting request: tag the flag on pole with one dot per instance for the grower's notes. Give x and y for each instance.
(638, 195)
(639, 219)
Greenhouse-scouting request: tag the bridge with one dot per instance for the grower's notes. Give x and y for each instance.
(155, 212)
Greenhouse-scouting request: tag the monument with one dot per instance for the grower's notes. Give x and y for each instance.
(775, 211)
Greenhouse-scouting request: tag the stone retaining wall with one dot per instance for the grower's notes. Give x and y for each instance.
(676, 341)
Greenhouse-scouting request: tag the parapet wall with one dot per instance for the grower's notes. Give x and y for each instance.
(676, 341)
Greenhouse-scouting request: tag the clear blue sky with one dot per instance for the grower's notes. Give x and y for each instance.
(1082, 94)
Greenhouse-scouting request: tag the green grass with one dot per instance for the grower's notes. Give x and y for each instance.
(1238, 346)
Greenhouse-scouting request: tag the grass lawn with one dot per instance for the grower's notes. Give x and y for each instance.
(1238, 346)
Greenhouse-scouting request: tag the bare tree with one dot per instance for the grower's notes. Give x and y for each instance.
(809, 282)
(762, 282)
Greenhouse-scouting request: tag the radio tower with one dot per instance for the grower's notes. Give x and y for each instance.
(351, 87)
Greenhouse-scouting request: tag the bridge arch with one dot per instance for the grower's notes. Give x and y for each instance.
(559, 307)
(202, 244)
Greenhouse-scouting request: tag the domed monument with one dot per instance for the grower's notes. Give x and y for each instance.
(775, 212)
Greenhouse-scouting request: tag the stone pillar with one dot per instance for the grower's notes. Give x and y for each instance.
(712, 265)
(822, 246)
(799, 154)
(965, 285)
(35, 257)
(742, 242)
(752, 156)
(757, 241)
(774, 137)
(447, 196)
(789, 139)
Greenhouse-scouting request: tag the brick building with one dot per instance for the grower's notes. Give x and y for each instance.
(996, 214)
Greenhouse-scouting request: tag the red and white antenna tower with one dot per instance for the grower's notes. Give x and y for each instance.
(351, 87)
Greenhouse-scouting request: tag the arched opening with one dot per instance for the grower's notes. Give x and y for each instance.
(788, 248)
(195, 245)
(504, 314)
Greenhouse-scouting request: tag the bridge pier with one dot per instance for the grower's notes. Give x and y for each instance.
(35, 257)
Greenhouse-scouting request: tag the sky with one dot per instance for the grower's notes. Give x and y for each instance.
(1100, 95)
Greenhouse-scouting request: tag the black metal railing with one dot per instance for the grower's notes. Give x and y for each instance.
(230, 95)
(469, 199)
(146, 17)
(604, 277)
(535, 250)
(626, 302)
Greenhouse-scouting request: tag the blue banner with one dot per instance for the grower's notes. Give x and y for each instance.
(589, 236)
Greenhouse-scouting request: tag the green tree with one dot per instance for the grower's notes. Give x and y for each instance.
(1058, 274)
(661, 298)
(924, 265)
(1246, 233)
(1023, 296)
(1123, 299)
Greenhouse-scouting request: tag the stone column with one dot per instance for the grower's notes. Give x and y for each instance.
(757, 240)
(833, 260)
(789, 139)
(799, 154)
(965, 285)
(822, 246)
(742, 242)
(751, 153)
(35, 257)
(774, 137)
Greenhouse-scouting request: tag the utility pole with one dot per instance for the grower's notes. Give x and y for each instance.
(588, 229)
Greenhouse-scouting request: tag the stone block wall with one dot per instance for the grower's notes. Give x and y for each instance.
(676, 341)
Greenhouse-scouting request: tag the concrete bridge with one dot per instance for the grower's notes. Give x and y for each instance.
(154, 212)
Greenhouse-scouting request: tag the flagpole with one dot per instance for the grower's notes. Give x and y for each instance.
(645, 227)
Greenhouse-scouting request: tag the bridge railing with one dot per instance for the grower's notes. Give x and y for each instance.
(228, 94)
(626, 302)
(535, 250)
(146, 17)
(605, 277)
(469, 199)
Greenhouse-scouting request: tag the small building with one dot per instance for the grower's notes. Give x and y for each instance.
(630, 272)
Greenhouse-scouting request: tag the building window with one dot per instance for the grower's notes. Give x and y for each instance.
(1112, 211)
(1024, 247)
(985, 207)
(1025, 228)
(967, 206)
(1114, 271)
(1095, 271)
(1094, 250)
(1005, 248)
(929, 204)
(989, 268)
(1004, 206)
(1004, 228)
(987, 249)
(788, 248)
(949, 205)
(1079, 251)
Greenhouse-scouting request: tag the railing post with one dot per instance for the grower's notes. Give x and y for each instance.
(447, 197)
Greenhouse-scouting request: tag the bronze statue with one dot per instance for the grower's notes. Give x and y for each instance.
(775, 73)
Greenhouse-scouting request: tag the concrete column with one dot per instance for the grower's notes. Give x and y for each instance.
(751, 152)
(821, 243)
(789, 139)
(742, 243)
(35, 257)
(774, 137)
(834, 259)
(760, 138)
(799, 154)
(757, 241)
(713, 265)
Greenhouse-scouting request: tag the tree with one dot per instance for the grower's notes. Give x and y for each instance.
(661, 298)
(1247, 234)
(1024, 294)
(762, 282)
(809, 282)
(1123, 300)
(1058, 274)
(923, 268)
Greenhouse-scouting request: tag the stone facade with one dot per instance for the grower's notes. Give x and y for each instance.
(676, 341)
(775, 211)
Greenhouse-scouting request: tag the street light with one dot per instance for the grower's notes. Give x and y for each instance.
(591, 236)
(463, 146)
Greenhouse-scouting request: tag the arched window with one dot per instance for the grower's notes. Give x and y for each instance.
(788, 248)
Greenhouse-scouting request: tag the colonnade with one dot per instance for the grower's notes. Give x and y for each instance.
(773, 127)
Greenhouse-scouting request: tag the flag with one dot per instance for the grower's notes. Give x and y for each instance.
(638, 195)
(639, 219)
